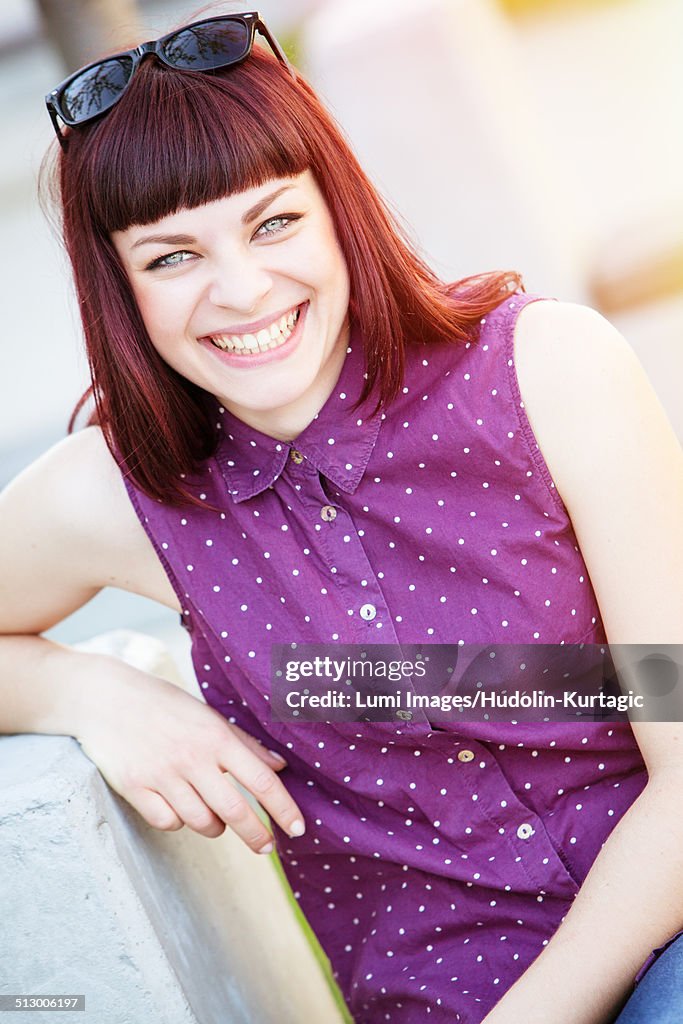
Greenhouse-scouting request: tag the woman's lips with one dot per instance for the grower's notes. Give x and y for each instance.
(258, 358)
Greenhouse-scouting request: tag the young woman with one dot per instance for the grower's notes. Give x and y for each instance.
(301, 434)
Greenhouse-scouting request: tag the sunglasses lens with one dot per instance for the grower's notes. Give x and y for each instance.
(95, 89)
(208, 45)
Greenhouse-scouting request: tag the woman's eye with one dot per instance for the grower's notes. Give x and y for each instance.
(173, 259)
(274, 225)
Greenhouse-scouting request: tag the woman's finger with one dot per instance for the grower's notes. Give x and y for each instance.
(192, 810)
(262, 782)
(155, 810)
(232, 808)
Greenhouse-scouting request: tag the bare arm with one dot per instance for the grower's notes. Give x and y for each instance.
(619, 468)
(67, 530)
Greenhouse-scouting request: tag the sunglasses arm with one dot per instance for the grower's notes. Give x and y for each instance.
(275, 47)
(55, 122)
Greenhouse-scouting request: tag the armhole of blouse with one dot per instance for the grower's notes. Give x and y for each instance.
(144, 521)
(524, 422)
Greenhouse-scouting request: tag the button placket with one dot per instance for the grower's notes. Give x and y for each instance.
(341, 550)
(337, 536)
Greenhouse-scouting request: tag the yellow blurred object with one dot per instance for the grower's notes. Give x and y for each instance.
(639, 263)
(517, 7)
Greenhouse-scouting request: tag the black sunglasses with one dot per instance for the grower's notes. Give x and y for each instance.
(204, 46)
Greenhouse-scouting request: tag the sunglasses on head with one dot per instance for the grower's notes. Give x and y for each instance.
(204, 46)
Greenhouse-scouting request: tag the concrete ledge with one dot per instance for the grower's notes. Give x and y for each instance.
(153, 927)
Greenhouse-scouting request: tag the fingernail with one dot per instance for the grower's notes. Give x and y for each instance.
(268, 848)
(297, 828)
(278, 757)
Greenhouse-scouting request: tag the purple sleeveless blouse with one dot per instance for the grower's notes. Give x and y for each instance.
(438, 859)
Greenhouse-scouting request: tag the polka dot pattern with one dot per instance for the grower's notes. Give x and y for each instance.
(439, 856)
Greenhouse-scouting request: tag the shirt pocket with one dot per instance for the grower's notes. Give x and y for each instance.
(505, 840)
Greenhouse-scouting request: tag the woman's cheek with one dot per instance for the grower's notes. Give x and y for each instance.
(164, 316)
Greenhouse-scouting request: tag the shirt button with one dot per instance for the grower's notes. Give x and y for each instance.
(525, 831)
(465, 755)
(406, 716)
(328, 513)
(368, 612)
(296, 456)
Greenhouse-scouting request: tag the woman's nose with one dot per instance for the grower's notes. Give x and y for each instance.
(240, 286)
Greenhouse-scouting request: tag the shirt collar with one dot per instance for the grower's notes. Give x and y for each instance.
(338, 441)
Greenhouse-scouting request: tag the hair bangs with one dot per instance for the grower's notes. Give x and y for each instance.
(180, 139)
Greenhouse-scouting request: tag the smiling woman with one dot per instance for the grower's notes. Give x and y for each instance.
(177, 141)
(301, 435)
(271, 250)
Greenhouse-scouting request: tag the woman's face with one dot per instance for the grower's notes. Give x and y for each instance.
(248, 298)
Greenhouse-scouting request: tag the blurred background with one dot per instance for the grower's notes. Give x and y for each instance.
(536, 135)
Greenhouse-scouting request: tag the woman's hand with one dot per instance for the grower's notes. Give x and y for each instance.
(168, 754)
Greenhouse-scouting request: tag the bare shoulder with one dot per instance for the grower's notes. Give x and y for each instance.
(576, 373)
(76, 489)
(570, 332)
(79, 476)
(68, 529)
(617, 463)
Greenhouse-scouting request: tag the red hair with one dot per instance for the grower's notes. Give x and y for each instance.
(179, 139)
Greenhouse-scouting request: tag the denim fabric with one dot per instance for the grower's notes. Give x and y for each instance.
(658, 997)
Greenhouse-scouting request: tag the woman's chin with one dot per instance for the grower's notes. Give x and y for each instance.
(283, 415)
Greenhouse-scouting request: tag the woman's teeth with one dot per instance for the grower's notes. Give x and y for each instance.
(270, 337)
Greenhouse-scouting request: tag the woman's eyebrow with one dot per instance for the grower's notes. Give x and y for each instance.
(164, 240)
(257, 209)
(251, 214)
